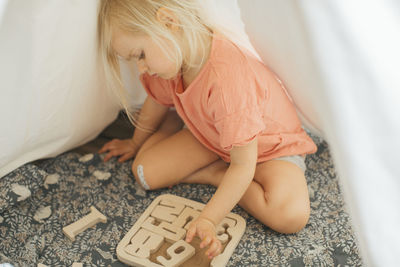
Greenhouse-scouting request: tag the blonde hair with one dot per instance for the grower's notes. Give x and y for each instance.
(140, 17)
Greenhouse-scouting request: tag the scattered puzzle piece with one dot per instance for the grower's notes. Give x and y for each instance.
(43, 213)
(102, 176)
(51, 179)
(84, 223)
(21, 190)
(86, 158)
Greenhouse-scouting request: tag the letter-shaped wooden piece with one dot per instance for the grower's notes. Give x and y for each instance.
(171, 232)
(179, 253)
(77, 264)
(84, 223)
(186, 217)
(143, 243)
(224, 228)
(167, 210)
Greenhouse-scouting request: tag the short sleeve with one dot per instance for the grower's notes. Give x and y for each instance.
(236, 107)
(158, 89)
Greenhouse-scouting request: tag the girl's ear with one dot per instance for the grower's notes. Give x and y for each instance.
(168, 18)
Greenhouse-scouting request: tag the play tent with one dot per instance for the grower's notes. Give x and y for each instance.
(339, 60)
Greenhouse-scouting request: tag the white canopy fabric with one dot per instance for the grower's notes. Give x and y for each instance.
(356, 46)
(338, 59)
(2, 8)
(52, 96)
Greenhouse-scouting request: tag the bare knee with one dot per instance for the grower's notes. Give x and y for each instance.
(141, 177)
(294, 220)
(290, 216)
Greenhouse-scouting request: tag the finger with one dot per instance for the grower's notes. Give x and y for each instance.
(216, 252)
(206, 241)
(190, 233)
(107, 146)
(107, 157)
(125, 157)
(103, 149)
(214, 249)
(110, 155)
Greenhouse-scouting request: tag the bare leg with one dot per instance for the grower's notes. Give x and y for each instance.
(171, 125)
(277, 197)
(171, 159)
(210, 174)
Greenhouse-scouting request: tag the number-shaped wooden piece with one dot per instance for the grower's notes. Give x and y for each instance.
(143, 243)
(179, 252)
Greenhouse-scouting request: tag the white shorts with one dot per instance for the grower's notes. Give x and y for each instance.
(295, 159)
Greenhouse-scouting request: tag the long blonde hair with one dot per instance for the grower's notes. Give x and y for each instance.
(140, 16)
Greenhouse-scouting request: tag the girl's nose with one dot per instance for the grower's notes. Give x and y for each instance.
(142, 67)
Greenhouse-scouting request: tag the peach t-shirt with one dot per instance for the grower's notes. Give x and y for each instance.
(234, 99)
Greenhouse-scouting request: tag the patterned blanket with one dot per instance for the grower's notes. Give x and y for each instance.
(38, 200)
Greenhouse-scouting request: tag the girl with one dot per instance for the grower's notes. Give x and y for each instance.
(241, 131)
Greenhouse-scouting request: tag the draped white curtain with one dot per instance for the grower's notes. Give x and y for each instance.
(2, 8)
(52, 95)
(356, 46)
(340, 60)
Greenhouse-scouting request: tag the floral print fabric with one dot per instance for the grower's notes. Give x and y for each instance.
(37, 201)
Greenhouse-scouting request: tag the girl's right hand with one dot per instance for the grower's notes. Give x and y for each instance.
(205, 230)
(126, 148)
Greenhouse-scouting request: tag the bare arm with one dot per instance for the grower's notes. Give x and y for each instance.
(150, 117)
(234, 183)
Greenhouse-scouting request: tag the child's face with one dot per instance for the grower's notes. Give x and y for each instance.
(149, 57)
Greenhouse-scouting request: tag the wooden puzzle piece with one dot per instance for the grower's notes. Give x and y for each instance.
(84, 223)
(223, 229)
(184, 219)
(179, 252)
(167, 210)
(144, 243)
(171, 232)
(235, 232)
(229, 231)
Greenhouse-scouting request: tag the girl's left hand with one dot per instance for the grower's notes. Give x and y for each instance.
(205, 230)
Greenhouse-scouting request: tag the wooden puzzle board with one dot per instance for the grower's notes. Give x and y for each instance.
(157, 237)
